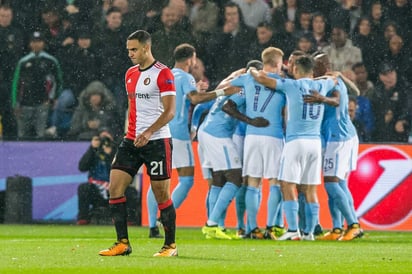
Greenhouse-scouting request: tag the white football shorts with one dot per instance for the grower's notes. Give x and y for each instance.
(206, 167)
(219, 153)
(301, 162)
(239, 141)
(182, 154)
(340, 158)
(262, 156)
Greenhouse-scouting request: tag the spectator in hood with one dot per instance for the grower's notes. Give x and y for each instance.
(96, 110)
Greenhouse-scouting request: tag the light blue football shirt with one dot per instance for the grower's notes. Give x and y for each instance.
(218, 123)
(303, 119)
(262, 102)
(240, 129)
(200, 112)
(336, 125)
(179, 125)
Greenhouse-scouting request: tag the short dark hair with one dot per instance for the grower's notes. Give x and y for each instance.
(142, 36)
(183, 52)
(319, 14)
(339, 25)
(358, 65)
(320, 56)
(266, 25)
(113, 9)
(386, 67)
(6, 7)
(231, 4)
(307, 37)
(317, 53)
(297, 53)
(305, 63)
(392, 23)
(50, 8)
(353, 99)
(255, 64)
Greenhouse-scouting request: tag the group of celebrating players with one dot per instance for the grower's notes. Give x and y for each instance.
(262, 123)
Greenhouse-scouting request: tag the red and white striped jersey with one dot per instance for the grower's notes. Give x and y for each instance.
(144, 91)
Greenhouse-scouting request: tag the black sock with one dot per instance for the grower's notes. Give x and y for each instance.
(119, 215)
(168, 219)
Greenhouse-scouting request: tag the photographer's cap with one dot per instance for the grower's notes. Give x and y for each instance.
(84, 33)
(386, 67)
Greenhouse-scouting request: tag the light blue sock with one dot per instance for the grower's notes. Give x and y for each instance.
(252, 206)
(291, 211)
(221, 221)
(241, 207)
(181, 190)
(151, 207)
(344, 185)
(225, 197)
(312, 216)
(260, 196)
(273, 204)
(279, 221)
(207, 204)
(340, 200)
(213, 195)
(335, 214)
(301, 212)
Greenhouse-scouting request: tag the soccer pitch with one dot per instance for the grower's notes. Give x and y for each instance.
(74, 249)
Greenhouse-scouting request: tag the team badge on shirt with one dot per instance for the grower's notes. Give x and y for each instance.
(146, 81)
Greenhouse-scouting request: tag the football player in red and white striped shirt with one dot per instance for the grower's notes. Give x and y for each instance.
(151, 95)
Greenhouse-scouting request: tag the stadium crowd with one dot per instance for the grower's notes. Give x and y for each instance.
(62, 77)
(63, 62)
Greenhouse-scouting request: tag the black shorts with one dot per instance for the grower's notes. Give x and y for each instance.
(156, 156)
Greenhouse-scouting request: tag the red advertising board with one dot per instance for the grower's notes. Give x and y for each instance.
(381, 187)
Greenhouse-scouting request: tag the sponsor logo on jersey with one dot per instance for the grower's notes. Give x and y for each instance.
(381, 186)
(169, 81)
(142, 96)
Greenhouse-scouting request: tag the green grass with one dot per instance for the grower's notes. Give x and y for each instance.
(73, 249)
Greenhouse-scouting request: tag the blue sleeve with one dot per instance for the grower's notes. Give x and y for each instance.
(238, 81)
(331, 85)
(274, 75)
(283, 84)
(189, 84)
(198, 112)
(238, 98)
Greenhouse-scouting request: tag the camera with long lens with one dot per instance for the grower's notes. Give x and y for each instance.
(105, 141)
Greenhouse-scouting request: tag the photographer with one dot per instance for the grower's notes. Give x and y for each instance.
(94, 193)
